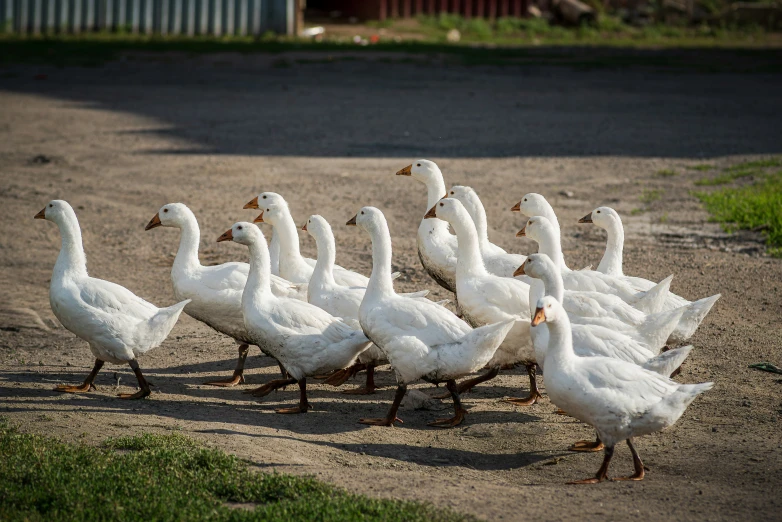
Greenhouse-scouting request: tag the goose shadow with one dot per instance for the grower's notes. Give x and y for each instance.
(424, 456)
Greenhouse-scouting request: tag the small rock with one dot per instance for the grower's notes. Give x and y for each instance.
(566, 193)
(714, 429)
(746, 404)
(418, 400)
(40, 159)
(453, 36)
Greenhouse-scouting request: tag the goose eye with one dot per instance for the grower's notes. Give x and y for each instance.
(418, 165)
(441, 204)
(525, 199)
(165, 210)
(264, 197)
(239, 228)
(362, 212)
(598, 212)
(452, 192)
(51, 206)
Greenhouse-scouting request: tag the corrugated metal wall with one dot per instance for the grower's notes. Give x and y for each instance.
(185, 17)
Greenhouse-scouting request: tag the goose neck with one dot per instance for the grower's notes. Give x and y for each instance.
(380, 282)
(258, 287)
(550, 245)
(186, 259)
(611, 263)
(560, 344)
(72, 261)
(288, 239)
(469, 261)
(323, 274)
(553, 284)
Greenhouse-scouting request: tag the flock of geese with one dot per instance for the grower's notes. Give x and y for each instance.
(600, 337)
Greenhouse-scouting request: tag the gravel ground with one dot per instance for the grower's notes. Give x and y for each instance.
(119, 141)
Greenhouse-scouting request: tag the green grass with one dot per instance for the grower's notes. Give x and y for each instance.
(168, 477)
(665, 173)
(650, 196)
(753, 206)
(746, 169)
(700, 168)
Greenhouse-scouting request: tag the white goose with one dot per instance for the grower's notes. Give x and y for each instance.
(215, 291)
(546, 235)
(485, 298)
(305, 339)
(607, 309)
(436, 245)
(497, 261)
(340, 301)
(292, 265)
(619, 399)
(421, 339)
(118, 325)
(596, 336)
(611, 264)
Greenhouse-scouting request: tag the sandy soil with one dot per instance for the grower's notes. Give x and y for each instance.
(123, 139)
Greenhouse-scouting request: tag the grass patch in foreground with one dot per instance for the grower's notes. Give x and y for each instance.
(757, 206)
(665, 173)
(168, 477)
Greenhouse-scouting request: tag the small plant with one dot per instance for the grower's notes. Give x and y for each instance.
(650, 196)
(636, 211)
(664, 218)
(666, 173)
(700, 168)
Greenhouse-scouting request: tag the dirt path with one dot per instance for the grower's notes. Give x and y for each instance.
(121, 140)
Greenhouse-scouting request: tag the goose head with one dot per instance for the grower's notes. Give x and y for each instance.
(603, 217)
(317, 227)
(57, 211)
(370, 219)
(448, 209)
(170, 215)
(272, 214)
(548, 310)
(264, 199)
(243, 233)
(532, 204)
(537, 228)
(422, 170)
(464, 194)
(536, 266)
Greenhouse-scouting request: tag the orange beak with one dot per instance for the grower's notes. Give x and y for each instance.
(432, 212)
(586, 219)
(252, 204)
(154, 222)
(259, 219)
(539, 317)
(228, 235)
(405, 171)
(522, 232)
(41, 214)
(516, 207)
(304, 227)
(352, 222)
(519, 271)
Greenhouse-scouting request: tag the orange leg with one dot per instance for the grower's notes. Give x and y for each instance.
(144, 390)
(266, 389)
(469, 384)
(587, 445)
(391, 418)
(637, 464)
(339, 377)
(238, 376)
(602, 473)
(457, 405)
(369, 388)
(534, 394)
(87, 385)
(303, 406)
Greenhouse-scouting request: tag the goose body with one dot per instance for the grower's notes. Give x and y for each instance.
(611, 264)
(496, 260)
(619, 399)
(437, 247)
(421, 339)
(215, 292)
(304, 338)
(118, 325)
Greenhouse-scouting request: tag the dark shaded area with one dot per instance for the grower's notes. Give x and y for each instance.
(602, 102)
